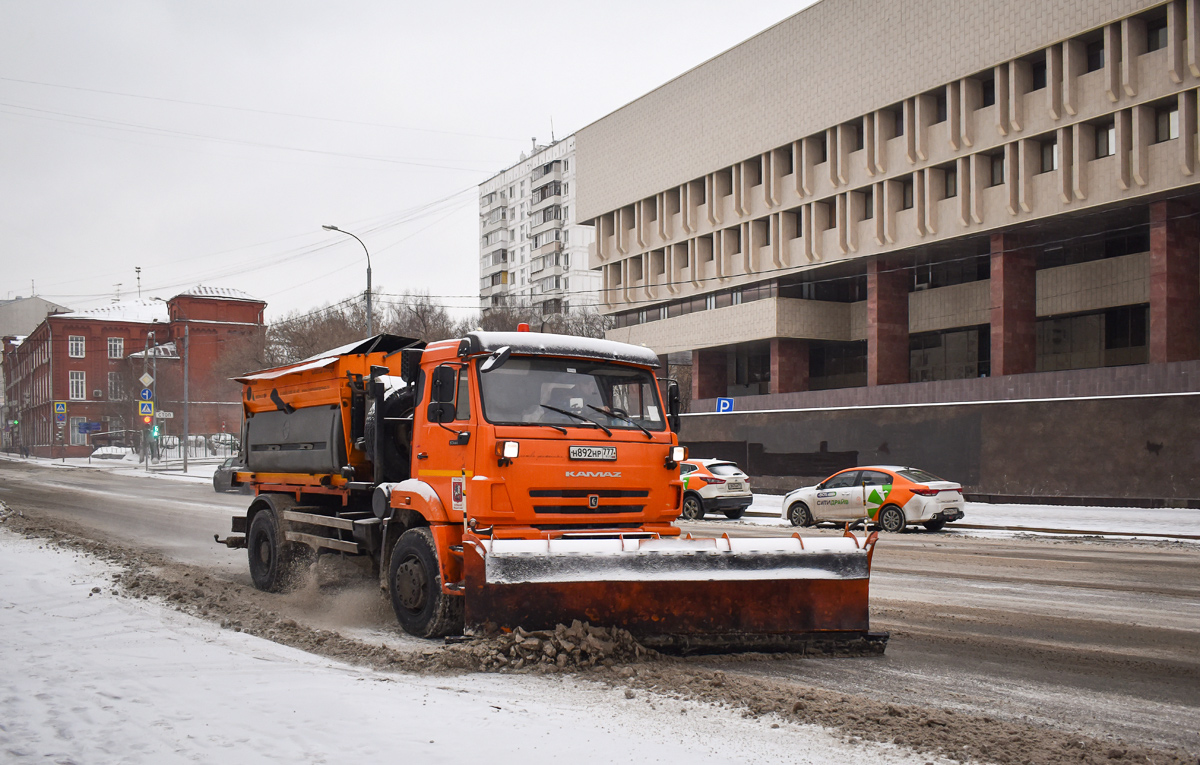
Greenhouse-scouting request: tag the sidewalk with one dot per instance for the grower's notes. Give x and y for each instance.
(200, 470)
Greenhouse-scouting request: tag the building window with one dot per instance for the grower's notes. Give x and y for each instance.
(1049, 155)
(898, 121)
(868, 199)
(1039, 76)
(950, 183)
(710, 302)
(1095, 56)
(75, 347)
(856, 137)
(114, 386)
(906, 194)
(822, 151)
(1166, 123)
(77, 438)
(939, 108)
(116, 347)
(989, 91)
(996, 177)
(78, 386)
(1106, 140)
(1156, 34)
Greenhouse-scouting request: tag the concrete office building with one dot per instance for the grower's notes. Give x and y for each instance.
(938, 201)
(532, 250)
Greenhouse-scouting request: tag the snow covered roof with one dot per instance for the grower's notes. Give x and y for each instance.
(164, 351)
(138, 310)
(546, 344)
(219, 293)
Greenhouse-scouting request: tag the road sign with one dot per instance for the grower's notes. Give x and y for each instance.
(60, 418)
(145, 408)
(724, 405)
(164, 415)
(146, 395)
(146, 379)
(60, 407)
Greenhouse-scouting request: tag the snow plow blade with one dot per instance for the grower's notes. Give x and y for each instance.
(680, 595)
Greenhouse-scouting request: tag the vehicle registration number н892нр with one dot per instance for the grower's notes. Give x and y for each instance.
(593, 453)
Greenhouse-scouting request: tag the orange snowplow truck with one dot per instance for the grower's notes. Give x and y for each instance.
(520, 479)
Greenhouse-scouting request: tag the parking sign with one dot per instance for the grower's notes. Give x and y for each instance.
(724, 405)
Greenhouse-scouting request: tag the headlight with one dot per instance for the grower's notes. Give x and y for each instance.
(509, 449)
(678, 453)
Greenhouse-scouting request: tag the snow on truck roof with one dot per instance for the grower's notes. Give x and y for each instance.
(544, 344)
(384, 343)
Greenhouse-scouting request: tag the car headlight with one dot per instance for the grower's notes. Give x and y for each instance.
(508, 449)
(678, 453)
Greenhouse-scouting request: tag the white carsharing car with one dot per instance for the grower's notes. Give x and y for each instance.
(892, 497)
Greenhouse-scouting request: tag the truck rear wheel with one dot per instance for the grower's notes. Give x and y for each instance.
(415, 584)
(275, 564)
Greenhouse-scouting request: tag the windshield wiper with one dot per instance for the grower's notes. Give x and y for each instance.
(569, 413)
(637, 425)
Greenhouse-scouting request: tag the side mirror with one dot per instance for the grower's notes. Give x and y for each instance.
(445, 380)
(496, 360)
(410, 364)
(440, 412)
(673, 419)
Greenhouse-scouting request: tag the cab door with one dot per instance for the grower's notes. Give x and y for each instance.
(444, 444)
(841, 498)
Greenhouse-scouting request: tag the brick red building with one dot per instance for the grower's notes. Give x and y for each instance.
(91, 361)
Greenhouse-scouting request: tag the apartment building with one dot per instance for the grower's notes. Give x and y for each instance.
(927, 198)
(533, 252)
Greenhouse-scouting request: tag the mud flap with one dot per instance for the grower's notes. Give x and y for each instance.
(680, 595)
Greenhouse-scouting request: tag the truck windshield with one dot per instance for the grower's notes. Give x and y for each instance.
(528, 391)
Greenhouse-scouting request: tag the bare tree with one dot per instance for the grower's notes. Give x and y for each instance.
(415, 315)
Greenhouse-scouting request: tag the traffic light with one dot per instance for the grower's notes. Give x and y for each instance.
(154, 432)
(146, 419)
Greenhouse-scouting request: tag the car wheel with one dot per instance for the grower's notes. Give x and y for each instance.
(934, 525)
(799, 515)
(415, 582)
(734, 514)
(891, 519)
(693, 508)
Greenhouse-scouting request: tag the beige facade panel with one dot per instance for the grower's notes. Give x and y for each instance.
(830, 64)
(1094, 286)
(1078, 288)
(960, 305)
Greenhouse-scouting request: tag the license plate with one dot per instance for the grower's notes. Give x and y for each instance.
(734, 486)
(593, 452)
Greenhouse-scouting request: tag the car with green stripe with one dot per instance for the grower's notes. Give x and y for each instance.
(891, 497)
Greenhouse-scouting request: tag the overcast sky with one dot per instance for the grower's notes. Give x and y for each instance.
(207, 142)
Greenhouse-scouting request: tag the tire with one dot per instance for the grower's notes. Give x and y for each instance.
(216, 485)
(800, 515)
(693, 508)
(734, 513)
(891, 519)
(934, 525)
(415, 584)
(275, 565)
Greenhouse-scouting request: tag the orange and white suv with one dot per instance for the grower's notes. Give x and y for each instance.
(711, 485)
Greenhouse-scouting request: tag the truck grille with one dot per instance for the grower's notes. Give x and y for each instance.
(582, 508)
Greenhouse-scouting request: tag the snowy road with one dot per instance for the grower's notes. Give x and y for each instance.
(1088, 636)
(91, 677)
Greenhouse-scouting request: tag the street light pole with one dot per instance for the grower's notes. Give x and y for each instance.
(370, 329)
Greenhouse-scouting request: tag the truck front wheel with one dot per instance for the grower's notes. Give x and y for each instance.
(275, 564)
(415, 584)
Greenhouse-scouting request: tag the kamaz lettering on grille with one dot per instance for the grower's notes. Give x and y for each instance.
(591, 474)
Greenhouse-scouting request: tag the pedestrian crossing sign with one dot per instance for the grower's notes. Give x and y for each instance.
(145, 407)
(60, 407)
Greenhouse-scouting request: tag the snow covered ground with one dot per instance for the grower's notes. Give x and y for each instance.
(88, 676)
(1130, 521)
(199, 471)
